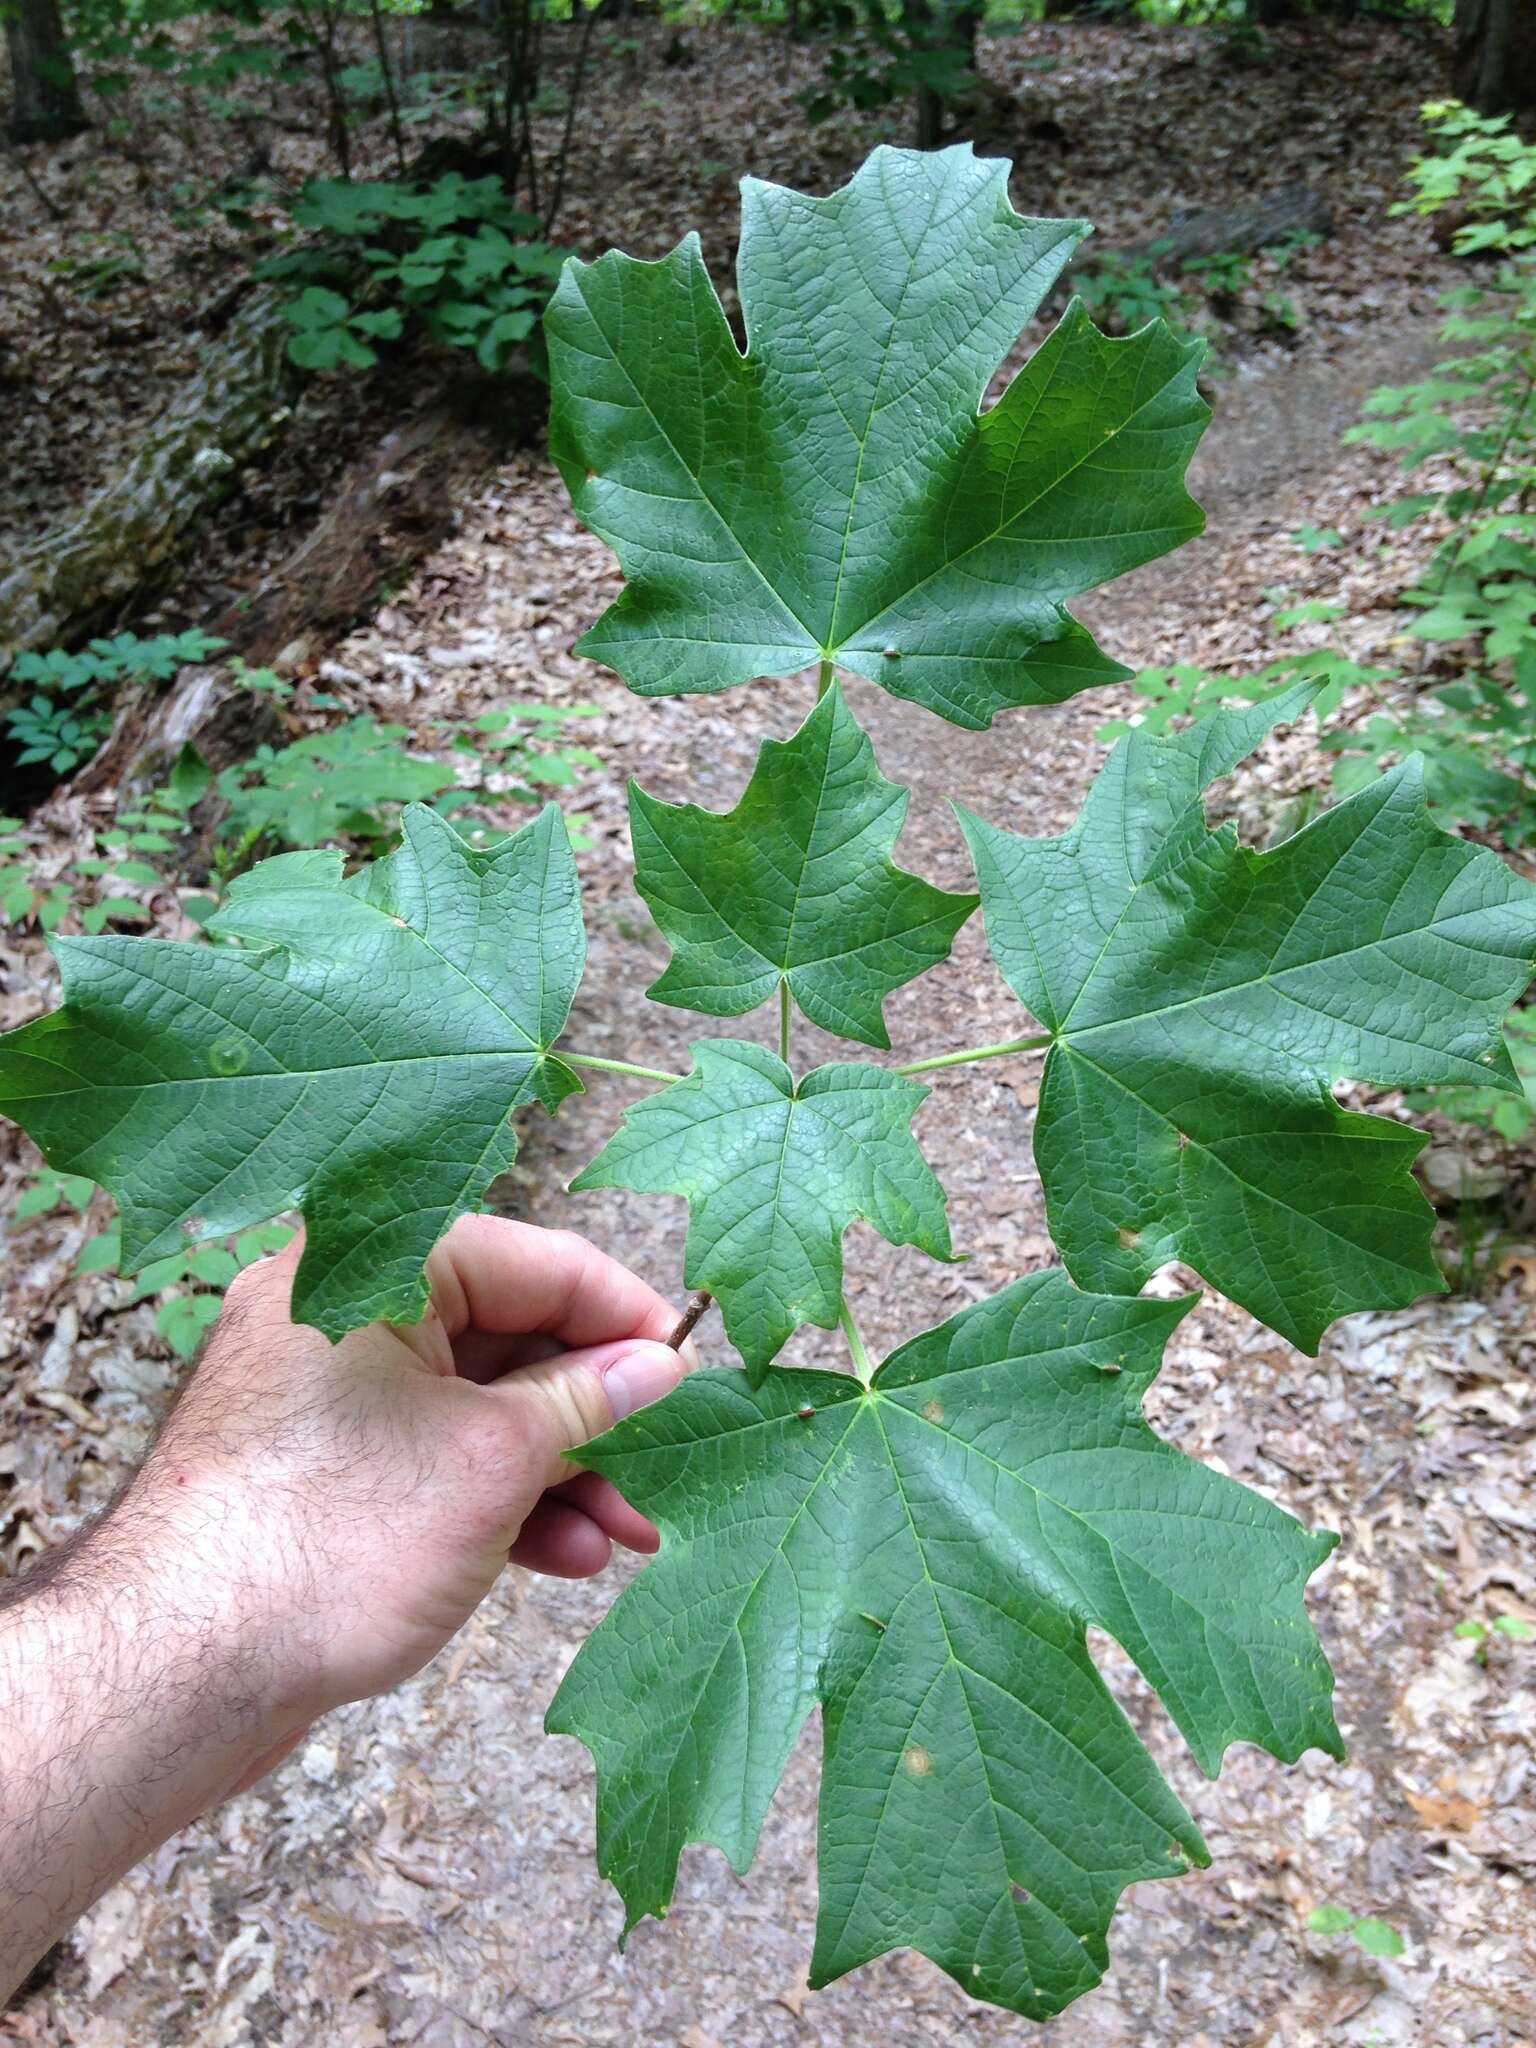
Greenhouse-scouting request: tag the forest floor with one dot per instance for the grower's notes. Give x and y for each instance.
(422, 1871)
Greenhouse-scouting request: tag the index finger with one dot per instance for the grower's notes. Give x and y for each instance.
(514, 1279)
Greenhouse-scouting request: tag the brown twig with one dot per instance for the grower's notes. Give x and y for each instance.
(390, 95)
(699, 1306)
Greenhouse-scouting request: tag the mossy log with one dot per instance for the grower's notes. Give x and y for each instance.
(78, 574)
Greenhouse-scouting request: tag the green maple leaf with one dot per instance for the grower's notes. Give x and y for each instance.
(774, 1172)
(833, 494)
(356, 1057)
(795, 884)
(923, 1557)
(1204, 999)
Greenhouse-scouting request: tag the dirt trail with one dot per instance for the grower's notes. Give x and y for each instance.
(423, 1872)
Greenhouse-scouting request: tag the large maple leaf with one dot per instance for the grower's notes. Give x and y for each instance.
(774, 1171)
(793, 886)
(924, 1556)
(1203, 1001)
(356, 1056)
(834, 494)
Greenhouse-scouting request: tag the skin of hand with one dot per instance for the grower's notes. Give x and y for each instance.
(313, 1524)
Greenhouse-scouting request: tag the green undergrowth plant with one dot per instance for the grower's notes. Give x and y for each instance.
(187, 1287)
(68, 708)
(1123, 289)
(348, 783)
(1123, 292)
(114, 884)
(455, 257)
(876, 57)
(1474, 417)
(919, 1546)
(1464, 706)
(1373, 1937)
(1509, 1627)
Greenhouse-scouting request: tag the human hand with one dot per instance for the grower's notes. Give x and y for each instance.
(356, 1502)
(313, 1524)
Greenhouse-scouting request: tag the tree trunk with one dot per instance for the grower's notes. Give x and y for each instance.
(1493, 62)
(934, 25)
(46, 104)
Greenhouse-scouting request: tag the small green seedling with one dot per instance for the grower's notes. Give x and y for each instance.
(1375, 1937)
(1480, 1632)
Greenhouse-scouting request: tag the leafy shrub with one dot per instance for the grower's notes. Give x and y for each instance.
(25, 896)
(1174, 697)
(1125, 292)
(1477, 740)
(879, 54)
(347, 783)
(327, 331)
(455, 256)
(521, 744)
(1474, 415)
(188, 1286)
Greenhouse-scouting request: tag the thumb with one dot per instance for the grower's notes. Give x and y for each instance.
(563, 1402)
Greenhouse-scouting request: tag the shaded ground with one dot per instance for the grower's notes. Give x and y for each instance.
(423, 1872)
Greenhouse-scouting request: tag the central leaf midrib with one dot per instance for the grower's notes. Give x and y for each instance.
(1272, 978)
(789, 963)
(302, 1074)
(833, 640)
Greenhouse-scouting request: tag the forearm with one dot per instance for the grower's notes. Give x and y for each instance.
(312, 1526)
(135, 1692)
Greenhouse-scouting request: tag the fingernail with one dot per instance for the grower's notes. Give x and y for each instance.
(639, 1377)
